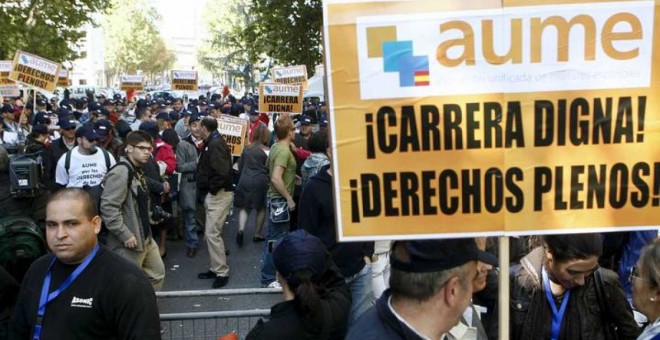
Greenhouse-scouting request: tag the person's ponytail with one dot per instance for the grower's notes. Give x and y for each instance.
(308, 300)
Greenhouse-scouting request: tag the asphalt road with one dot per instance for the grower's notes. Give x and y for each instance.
(244, 272)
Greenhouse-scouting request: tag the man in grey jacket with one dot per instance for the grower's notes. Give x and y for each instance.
(125, 209)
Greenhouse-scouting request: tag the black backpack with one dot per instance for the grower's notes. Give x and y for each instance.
(21, 242)
(95, 190)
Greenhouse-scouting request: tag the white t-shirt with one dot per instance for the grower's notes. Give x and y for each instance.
(83, 170)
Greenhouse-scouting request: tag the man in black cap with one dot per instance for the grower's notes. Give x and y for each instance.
(302, 138)
(431, 285)
(86, 164)
(106, 131)
(13, 132)
(59, 147)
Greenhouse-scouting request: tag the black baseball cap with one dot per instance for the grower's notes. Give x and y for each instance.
(427, 256)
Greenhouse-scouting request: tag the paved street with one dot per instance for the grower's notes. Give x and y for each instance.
(244, 264)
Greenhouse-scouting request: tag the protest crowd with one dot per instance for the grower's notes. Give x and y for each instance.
(114, 173)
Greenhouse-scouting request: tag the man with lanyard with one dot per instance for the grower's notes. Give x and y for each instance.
(80, 290)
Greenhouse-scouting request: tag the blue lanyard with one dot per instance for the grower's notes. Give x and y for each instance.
(47, 298)
(557, 315)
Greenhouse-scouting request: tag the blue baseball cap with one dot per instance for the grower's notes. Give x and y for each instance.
(300, 250)
(67, 123)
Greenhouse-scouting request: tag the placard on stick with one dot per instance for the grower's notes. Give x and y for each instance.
(63, 79)
(8, 88)
(34, 71)
(291, 75)
(131, 82)
(280, 98)
(493, 117)
(235, 132)
(184, 80)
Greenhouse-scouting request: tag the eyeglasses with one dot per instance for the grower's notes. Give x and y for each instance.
(144, 148)
(634, 275)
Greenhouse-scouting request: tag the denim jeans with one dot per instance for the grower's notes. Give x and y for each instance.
(276, 232)
(189, 226)
(362, 293)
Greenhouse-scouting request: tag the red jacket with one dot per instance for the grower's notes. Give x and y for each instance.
(163, 152)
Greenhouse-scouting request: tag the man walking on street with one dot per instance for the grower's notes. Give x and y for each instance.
(215, 180)
(125, 203)
(282, 169)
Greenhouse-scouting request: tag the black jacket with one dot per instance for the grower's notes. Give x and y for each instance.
(531, 316)
(214, 171)
(316, 214)
(380, 323)
(53, 154)
(287, 323)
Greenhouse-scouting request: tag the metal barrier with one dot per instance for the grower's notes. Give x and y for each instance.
(211, 325)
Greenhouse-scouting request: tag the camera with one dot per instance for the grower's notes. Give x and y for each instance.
(25, 173)
(158, 214)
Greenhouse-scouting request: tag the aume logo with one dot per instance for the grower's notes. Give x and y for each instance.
(83, 303)
(398, 56)
(600, 45)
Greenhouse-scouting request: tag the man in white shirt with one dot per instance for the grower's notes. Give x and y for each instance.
(87, 164)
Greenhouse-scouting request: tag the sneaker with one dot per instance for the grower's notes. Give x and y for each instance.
(274, 284)
(239, 238)
(220, 281)
(207, 275)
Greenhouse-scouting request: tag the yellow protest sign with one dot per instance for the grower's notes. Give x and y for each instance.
(63, 79)
(184, 80)
(131, 82)
(493, 117)
(5, 68)
(235, 132)
(291, 75)
(280, 98)
(34, 71)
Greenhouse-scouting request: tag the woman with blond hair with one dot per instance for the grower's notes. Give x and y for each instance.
(645, 280)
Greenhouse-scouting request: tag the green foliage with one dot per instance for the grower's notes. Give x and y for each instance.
(232, 50)
(290, 30)
(132, 40)
(249, 36)
(48, 28)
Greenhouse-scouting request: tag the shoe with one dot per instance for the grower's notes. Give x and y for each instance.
(274, 284)
(227, 252)
(258, 239)
(192, 252)
(207, 275)
(239, 238)
(162, 257)
(220, 281)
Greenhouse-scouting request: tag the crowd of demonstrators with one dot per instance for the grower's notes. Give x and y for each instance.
(145, 161)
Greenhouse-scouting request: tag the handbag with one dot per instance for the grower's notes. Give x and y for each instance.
(279, 210)
(609, 329)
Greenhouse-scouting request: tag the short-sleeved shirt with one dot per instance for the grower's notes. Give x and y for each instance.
(280, 155)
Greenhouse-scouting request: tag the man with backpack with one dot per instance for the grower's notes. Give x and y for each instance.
(85, 165)
(125, 208)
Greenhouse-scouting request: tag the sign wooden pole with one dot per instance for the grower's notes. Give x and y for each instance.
(504, 288)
